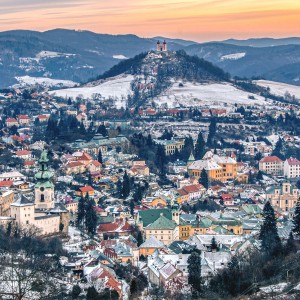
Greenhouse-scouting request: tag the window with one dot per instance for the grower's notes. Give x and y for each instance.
(42, 198)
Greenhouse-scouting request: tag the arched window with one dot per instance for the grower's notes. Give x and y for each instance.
(42, 198)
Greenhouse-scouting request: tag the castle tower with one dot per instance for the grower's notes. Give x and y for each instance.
(161, 47)
(44, 188)
(23, 211)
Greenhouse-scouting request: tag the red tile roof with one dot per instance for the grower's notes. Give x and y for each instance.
(293, 161)
(23, 152)
(86, 189)
(271, 159)
(6, 183)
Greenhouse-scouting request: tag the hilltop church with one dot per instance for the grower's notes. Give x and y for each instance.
(43, 213)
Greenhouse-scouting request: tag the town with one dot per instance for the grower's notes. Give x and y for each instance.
(142, 200)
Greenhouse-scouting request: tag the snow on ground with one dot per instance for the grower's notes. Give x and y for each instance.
(233, 56)
(52, 54)
(275, 288)
(212, 94)
(117, 88)
(119, 56)
(279, 88)
(27, 80)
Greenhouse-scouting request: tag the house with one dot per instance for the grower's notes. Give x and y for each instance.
(227, 199)
(94, 166)
(164, 229)
(103, 277)
(23, 119)
(150, 245)
(222, 168)
(272, 165)
(291, 168)
(24, 154)
(43, 118)
(74, 167)
(120, 227)
(86, 190)
(11, 122)
(283, 196)
(170, 146)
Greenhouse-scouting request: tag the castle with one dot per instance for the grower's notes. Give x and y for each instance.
(43, 213)
(161, 47)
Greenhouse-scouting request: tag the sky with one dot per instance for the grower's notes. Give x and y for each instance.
(202, 20)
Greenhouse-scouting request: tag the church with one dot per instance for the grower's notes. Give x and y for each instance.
(161, 47)
(42, 212)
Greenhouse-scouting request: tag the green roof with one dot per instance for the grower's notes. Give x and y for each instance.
(45, 184)
(162, 223)
(228, 222)
(222, 230)
(250, 209)
(151, 215)
(203, 223)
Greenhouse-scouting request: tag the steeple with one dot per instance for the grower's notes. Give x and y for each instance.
(191, 159)
(44, 188)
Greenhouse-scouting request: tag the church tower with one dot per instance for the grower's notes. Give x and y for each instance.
(44, 188)
(161, 47)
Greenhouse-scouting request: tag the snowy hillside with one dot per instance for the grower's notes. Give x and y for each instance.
(214, 94)
(233, 56)
(279, 88)
(47, 82)
(117, 88)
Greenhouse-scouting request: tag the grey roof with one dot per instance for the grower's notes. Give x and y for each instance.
(152, 242)
(22, 201)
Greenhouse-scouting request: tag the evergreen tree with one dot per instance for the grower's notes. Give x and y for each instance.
(270, 241)
(76, 290)
(296, 220)
(187, 148)
(199, 147)
(82, 129)
(214, 245)
(211, 132)
(204, 179)
(161, 159)
(194, 272)
(90, 217)
(259, 175)
(125, 186)
(140, 239)
(131, 205)
(290, 246)
(92, 294)
(138, 194)
(149, 140)
(278, 149)
(102, 130)
(133, 288)
(80, 212)
(100, 159)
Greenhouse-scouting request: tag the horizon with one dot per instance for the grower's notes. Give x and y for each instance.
(151, 37)
(200, 21)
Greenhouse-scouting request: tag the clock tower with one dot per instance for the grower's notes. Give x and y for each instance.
(44, 188)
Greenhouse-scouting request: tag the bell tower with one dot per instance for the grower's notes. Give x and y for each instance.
(44, 188)
(161, 47)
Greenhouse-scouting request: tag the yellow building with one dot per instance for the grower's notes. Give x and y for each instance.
(150, 245)
(222, 168)
(170, 146)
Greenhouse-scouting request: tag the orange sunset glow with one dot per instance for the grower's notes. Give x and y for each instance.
(200, 20)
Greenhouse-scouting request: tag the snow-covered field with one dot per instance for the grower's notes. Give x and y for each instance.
(279, 88)
(214, 94)
(233, 56)
(27, 80)
(117, 88)
(52, 54)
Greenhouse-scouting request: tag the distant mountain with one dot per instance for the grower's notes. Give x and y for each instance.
(280, 63)
(78, 56)
(264, 42)
(65, 54)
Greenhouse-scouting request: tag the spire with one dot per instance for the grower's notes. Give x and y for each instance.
(191, 158)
